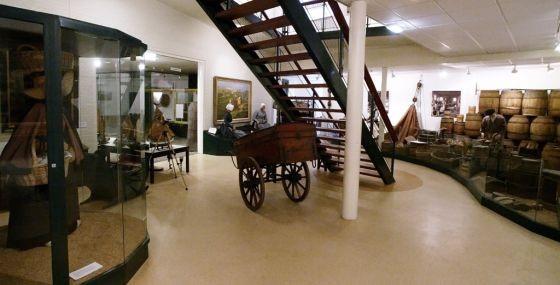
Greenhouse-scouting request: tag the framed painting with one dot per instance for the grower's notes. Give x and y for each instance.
(232, 91)
(443, 101)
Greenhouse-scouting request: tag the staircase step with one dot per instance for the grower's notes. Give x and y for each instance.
(326, 120)
(366, 159)
(262, 26)
(340, 131)
(338, 139)
(281, 58)
(283, 86)
(317, 110)
(291, 72)
(334, 146)
(246, 9)
(362, 172)
(280, 41)
(307, 98)
(313, 2)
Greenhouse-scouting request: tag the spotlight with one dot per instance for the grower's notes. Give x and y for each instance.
(514, 70)
(549, 68)
(395, 29)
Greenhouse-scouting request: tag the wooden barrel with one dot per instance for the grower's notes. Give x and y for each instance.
(489, 99)
(558, 132)
(472, 125)
(518, 128)
(510, 102)
(551, 156)
(472, 109)
(535, 103)
(460, 118)
(459, 128)
(554, 104)
(447, 124)
(543, 129)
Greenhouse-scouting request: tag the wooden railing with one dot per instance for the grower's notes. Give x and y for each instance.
(339, 16)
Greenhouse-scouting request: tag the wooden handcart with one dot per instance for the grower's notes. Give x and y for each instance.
(260, 154)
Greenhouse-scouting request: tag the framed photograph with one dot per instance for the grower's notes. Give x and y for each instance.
(446, 101)
(234, 91)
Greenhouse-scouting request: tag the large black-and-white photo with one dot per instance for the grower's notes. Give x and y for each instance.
(446, 101)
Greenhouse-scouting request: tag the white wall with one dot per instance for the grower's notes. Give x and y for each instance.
(164, 30)
(403, 86)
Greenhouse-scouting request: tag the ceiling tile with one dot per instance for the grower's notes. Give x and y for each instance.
(398, 3)
(418, 10)
(470, 14)
(384, 17)
(455, 5)
(444, 32)
(430, 21)
(522, 10)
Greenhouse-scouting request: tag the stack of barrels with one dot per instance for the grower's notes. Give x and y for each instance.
(473, 121)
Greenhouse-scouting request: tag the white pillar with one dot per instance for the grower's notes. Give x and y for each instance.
(381, 136)
(354, 104)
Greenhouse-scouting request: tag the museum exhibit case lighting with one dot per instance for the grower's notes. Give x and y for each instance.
(72, 142)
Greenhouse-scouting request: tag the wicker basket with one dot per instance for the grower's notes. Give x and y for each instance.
(39, 174)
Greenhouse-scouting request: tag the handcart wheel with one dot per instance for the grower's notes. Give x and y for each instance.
(251, 184)
(295, 180)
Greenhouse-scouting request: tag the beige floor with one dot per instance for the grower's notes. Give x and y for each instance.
(425, 229)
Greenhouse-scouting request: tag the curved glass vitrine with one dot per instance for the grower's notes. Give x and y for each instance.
(519, 181)
(72, 167)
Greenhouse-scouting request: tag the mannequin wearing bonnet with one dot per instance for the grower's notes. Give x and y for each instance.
(260, 120)
(226, 129)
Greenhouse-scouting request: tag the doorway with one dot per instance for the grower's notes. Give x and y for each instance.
(172, 83)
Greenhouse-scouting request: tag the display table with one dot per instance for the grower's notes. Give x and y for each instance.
(151, 154)
(164, 151)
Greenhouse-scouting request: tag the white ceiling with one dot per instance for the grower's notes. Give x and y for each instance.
(471, 27)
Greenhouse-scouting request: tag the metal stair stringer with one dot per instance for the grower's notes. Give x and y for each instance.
(294, 10)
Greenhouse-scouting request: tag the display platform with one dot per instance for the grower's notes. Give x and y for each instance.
(538, 219)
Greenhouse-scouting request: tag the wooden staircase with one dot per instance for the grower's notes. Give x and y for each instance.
(286, 46)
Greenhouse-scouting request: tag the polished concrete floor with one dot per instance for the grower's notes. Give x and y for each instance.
(425, 229)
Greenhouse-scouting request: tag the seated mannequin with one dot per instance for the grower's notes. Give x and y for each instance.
(260, 120)
(227, 129)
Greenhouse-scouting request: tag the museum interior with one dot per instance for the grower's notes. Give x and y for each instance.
(164, 142)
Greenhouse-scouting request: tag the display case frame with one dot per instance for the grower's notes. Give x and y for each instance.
(52, 43)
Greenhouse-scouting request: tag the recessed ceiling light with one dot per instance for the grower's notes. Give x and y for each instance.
(445, 46)
(443, 74)
(395, 29)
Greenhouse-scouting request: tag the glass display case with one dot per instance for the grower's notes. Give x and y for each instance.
(518, 179)
(72, 148)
